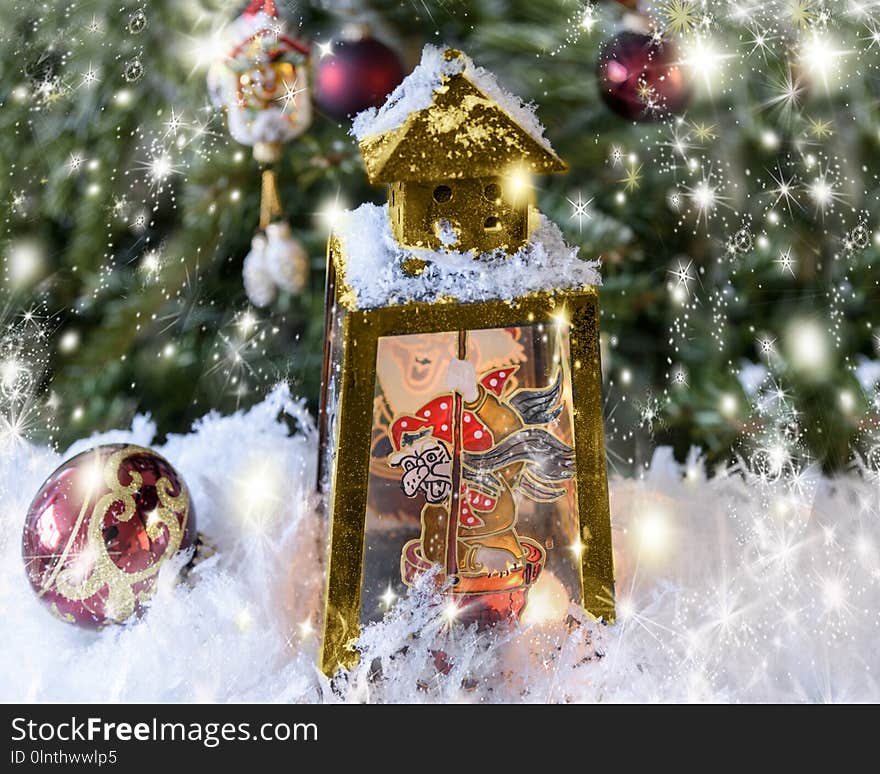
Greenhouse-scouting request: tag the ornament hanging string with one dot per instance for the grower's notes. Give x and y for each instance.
(270, 201)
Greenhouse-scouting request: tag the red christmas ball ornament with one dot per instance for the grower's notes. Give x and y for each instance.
(639, 77)
(100, 528)
(357, 75)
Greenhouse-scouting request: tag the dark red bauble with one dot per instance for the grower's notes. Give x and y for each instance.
(359, 74)
(639, 77)
(99, 529)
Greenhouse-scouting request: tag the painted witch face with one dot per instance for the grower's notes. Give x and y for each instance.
(425, 464)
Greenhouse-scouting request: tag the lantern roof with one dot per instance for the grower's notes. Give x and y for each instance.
(450, 119)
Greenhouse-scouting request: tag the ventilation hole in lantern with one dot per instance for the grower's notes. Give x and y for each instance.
(442, 193)
(492, 224)
(492, 192)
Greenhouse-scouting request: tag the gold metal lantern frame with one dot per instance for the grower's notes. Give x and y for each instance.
(352, 347)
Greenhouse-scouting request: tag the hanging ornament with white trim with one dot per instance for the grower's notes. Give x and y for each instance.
(261, 81)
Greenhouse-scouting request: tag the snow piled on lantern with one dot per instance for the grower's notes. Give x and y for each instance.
(417, 90)
(732, 588)
(374, 268)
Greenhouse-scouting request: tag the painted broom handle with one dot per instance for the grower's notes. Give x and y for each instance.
(457, 448)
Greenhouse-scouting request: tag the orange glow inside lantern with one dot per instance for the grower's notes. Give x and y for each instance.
(480, 489)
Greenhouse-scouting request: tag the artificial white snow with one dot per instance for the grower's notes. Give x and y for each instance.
(728, 589)
(374, 268)
(416, 92)
(447, 234)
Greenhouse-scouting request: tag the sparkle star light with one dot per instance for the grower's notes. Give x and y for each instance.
(766, 345)
(788, 92)
(786, 262)
(706, 61)
(205, 50)
(331, 213)
(682, 16)
(683, 275)
(633, 178)
(679, 140)
(291, 92)
(873, 34)
(822, 192)
(784, 189)
(706, 197)
(588, 18)
(174, 124)
(760, 41)
(822, 60)
(90, 77)
(159, 168)
(704, 132)
(579, 210)
(388, 597)
(820, 128)
(802, 13)
(74, 163)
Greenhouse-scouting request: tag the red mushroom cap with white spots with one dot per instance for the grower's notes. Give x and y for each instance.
(437, 414)
(496, 381)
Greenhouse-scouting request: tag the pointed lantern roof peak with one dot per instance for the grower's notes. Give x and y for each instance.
(451, 120)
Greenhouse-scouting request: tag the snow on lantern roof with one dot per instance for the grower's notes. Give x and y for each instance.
(372, 266)
(450, 119)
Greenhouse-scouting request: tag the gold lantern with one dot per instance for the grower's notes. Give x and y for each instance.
(461, 423)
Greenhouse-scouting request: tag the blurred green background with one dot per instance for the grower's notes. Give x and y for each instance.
(735, 317)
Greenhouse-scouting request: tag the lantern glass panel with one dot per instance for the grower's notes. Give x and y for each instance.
(503, 547)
